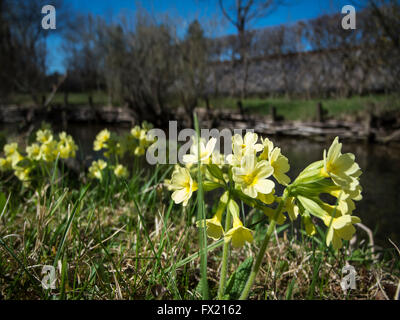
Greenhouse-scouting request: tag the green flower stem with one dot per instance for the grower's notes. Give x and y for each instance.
(201, 216)
(261, 253)
(225, 253)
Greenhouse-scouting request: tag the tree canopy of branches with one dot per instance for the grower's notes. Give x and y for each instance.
(23, 46)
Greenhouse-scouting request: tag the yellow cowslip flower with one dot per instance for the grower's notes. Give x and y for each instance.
(167, 182)
(135, 132)
(23, 174)
(66, 146)
(5, 164)
(150, 138)
(242, 146)
(281, 165)
(44, 136)
(101, 140)
(139, 151)
(238, 234)
(96, 169)
(120, 171)
(269, 212)
(340, 228)
(12, 154)
(183, 185)
(309, 225)
(34, 152)
(341, 168)
(147, 125)
(214, 226)
(144, 138)
(249, 142)
(268, 146)
(266, 198)
(10, 149)
(252, 176)
(292, 209)
(49, 151)
(345, 202)
(15, 159)
(205, 151)
(66, 151)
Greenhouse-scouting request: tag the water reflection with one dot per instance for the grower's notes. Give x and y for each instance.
(379, 209)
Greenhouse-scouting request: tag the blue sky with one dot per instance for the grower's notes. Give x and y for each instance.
(186, 11)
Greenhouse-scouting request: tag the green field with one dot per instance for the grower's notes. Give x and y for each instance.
(290, 109)
(99, 98)
(298, 109)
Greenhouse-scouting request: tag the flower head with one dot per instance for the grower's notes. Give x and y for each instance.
(139, 151)
(252, 176)
(96, 169)
(5, 164)
(12, 155)
(268, 146)
(120, 171)
(135, 132)
(34, 151)
(340, 228)
(214, 225)
(238, 234)
(183, 185)
(10, 149)
(44, 136)
(243, 146)
(66, 146)
(101, 140)
(49, 151)
(206, 151)
(281, 165)
(23, 174)
(340, 167)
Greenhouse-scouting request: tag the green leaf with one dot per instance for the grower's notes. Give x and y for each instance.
(210, 185)
(312, 206)
(238, 279)
(289, 291)
(3, 201)
(24, 163)
(215, 171)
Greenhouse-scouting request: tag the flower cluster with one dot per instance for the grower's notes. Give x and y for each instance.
(337, 175)
(115, 147)
(250, 174)
(41, 153)
(142, 139)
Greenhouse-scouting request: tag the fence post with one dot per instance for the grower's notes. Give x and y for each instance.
(320, 112)
(273, 114)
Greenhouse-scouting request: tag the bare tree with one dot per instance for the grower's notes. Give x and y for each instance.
(193, 69)
(241, 14)
(7, 55)
(26, 44)
(386, 17)
(83, 55)
(149, 69)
